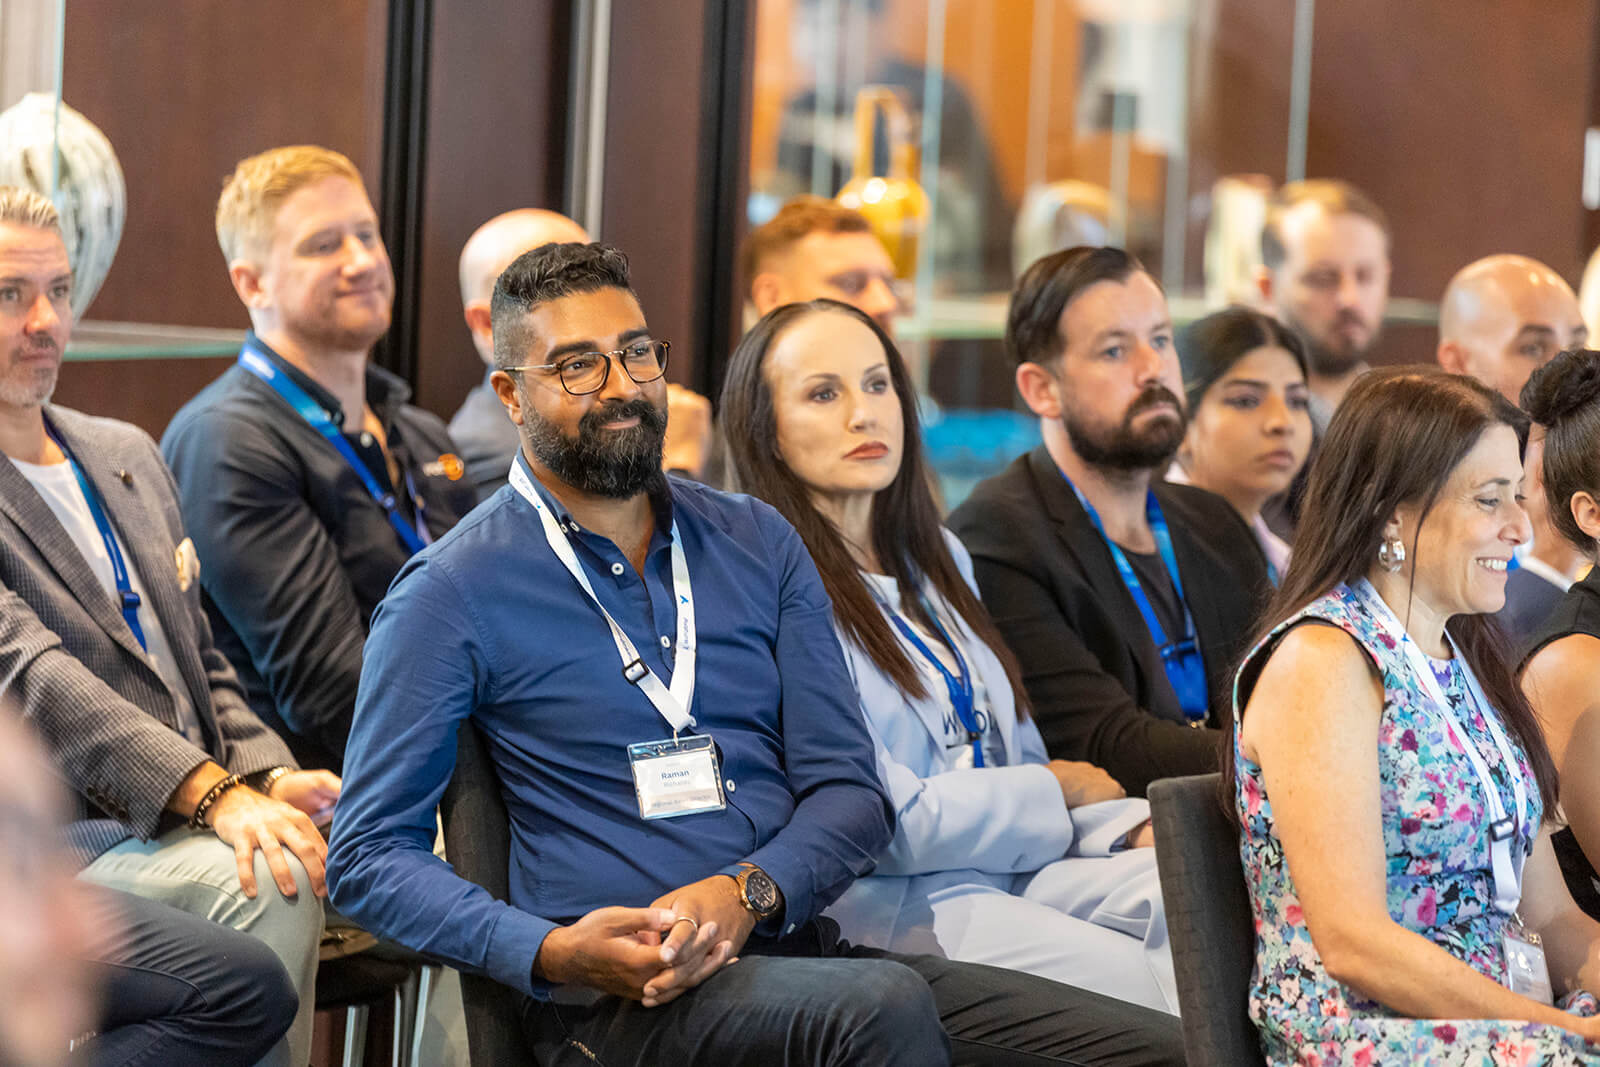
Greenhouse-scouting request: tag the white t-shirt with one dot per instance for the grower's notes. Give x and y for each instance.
(994, 754)
(58, 485)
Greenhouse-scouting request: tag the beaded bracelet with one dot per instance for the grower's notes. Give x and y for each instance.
(197, 821)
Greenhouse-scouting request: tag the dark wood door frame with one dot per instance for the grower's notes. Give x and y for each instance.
(401, 180)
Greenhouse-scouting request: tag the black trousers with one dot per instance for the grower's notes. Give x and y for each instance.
(178, 989)
(822, 1001)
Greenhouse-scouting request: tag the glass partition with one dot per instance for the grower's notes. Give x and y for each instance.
(1025, 126)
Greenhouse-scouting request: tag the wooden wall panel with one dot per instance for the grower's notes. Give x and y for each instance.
(185, 89)
(653, 162)
(496, 141)
(1464, 119)
(145, 392)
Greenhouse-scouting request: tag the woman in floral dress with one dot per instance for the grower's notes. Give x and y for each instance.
(1389, 776)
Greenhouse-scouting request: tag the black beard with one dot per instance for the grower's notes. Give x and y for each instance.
(611, 463)
(1124, 448)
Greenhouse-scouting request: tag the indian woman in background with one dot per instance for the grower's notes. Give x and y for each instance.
(1000, 855)
(1389, 775)
(1249, 415)
(1562, 672)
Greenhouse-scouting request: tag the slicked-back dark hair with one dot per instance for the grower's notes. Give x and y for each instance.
(1563, 396)
(541, 275)
(1046, 288)
(907, 535)
(1395, 440)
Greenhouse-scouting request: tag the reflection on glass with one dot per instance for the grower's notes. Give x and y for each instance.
(1031, 126)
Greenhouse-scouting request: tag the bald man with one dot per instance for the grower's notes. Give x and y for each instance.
(1502, 318)
(485, 436)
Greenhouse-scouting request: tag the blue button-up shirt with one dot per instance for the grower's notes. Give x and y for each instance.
(487, 623)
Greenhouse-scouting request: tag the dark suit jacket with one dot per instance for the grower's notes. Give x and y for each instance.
(72, 666)
(1091, 669)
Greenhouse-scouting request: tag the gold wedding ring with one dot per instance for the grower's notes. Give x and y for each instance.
(688, 919)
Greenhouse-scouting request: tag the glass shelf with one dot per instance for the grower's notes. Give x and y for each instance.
(93, 340)
(983, 317)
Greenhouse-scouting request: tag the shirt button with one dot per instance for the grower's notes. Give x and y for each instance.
(666, 642)
(733, 787)
(366, 440)
(616, 568)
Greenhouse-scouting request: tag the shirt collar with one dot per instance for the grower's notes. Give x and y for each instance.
(660, 504)
(386, 393)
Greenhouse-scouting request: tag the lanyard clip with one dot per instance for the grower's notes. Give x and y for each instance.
(130, 600)
(635, 672)
(1501, 829)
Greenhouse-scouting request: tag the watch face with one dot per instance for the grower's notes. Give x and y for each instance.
(761, 892)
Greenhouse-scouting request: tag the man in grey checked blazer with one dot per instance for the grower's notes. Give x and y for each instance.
(182, 794)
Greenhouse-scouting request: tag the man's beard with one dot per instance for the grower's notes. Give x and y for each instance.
(1124, 448)
(1332, 361)
(609, 463)
(29, 388)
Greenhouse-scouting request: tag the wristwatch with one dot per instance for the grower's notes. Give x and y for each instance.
(758, 892)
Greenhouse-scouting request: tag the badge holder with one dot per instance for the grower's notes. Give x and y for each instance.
(676, 776)
(1187, 673)
(1526, 970)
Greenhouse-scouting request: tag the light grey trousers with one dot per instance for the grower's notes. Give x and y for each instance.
(193, 871)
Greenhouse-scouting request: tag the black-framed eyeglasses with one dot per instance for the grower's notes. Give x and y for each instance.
(588, 372)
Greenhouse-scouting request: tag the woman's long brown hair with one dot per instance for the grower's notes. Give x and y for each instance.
(907, 536)
(1395, 440)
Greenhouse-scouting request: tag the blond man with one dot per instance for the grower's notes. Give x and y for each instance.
(307, 479)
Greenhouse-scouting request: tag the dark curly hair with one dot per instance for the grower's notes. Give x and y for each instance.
(1563, 396)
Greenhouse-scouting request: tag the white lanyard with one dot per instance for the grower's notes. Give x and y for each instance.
(1506, 859)
(674, 703)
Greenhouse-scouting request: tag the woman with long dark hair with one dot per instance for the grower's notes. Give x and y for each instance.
(1561, 674)
(1388, 773)
(1000, 855)
(1249, 433)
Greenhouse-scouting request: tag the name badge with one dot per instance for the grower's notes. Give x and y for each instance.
(676, 777)
(1526, 970)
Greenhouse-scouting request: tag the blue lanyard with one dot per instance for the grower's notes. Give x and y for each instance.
(962, 694)
(413, 537)
(1181, 659)
(128, 599)
(1272, 576)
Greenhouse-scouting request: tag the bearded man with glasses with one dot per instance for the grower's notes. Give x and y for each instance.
(684, 764)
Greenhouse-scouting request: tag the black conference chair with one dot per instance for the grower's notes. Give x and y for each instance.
(1208, 916)
(477, 841)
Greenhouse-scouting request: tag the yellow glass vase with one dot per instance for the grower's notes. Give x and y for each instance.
(893, 203)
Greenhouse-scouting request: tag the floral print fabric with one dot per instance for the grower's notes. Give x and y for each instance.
(1439, 882)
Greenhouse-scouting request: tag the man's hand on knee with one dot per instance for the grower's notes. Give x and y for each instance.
(249, 821)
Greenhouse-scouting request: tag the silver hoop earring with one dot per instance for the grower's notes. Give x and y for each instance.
(1391, 554)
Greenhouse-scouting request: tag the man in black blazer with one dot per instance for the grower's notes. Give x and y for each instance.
(1068, 542)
